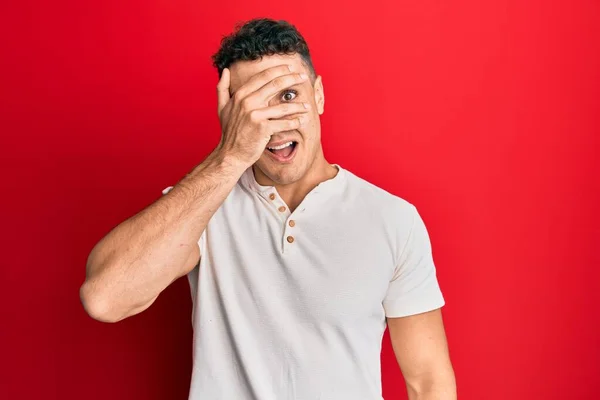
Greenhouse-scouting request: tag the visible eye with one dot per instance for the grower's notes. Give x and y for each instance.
(289, 95)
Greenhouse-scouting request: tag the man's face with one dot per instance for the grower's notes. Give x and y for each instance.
(308, 136)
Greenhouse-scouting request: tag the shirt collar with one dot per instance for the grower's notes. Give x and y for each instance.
(328, 186)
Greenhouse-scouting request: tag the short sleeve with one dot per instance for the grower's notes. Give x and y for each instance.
(414, 287)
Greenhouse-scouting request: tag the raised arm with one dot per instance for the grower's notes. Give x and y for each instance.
(128, 269)
(139, 258)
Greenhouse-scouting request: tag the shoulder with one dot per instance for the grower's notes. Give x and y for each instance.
(379, 201)
(382, 211)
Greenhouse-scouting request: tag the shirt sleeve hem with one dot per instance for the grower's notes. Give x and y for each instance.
(405, 310)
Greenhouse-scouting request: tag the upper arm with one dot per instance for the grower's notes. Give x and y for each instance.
(421, 349)
(192, 261)
(413, 310)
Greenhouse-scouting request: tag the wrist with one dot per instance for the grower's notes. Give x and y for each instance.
(228, 162)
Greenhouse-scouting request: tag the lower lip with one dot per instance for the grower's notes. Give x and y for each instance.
(284, 160)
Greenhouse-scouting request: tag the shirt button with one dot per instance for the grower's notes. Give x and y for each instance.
(292, 223)
(272, 196)
(290, 239)
(282, 208)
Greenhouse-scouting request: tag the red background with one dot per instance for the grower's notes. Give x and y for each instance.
(482, 113)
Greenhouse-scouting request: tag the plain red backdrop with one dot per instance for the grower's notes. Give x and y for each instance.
(484, 114)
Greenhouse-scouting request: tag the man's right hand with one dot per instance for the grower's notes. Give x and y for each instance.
(247, 120)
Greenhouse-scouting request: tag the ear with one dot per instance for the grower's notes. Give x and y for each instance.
(319, 95)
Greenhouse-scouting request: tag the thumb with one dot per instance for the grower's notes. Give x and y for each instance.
(223, 90)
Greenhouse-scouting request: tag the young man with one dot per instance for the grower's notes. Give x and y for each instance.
(296, 266)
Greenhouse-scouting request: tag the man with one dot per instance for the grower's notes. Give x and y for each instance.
(295, 265)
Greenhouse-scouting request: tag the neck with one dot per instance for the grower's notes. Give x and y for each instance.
(294, 193)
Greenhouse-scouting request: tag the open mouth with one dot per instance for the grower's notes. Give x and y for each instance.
(284, 152)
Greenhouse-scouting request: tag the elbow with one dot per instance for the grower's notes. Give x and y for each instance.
(439, 386)
(95, 304)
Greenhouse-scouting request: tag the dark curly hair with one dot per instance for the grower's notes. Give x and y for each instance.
(258, 37)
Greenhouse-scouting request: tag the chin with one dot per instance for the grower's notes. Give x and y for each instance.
(284, 174)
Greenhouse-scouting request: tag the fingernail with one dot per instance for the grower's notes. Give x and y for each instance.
(303, 76)
(290, 68)
(306, 105)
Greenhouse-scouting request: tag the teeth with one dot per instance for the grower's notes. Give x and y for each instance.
(283, 146)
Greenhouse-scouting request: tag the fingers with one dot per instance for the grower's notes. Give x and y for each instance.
(276, 85)
(280, 110)
(223, 90)
(280, 125)
(263, 78)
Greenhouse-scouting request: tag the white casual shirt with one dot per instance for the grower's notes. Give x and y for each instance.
(294, 305)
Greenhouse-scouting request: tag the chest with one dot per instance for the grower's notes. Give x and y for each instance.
(327, 265)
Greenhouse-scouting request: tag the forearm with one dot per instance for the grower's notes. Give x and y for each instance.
(140, 257)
